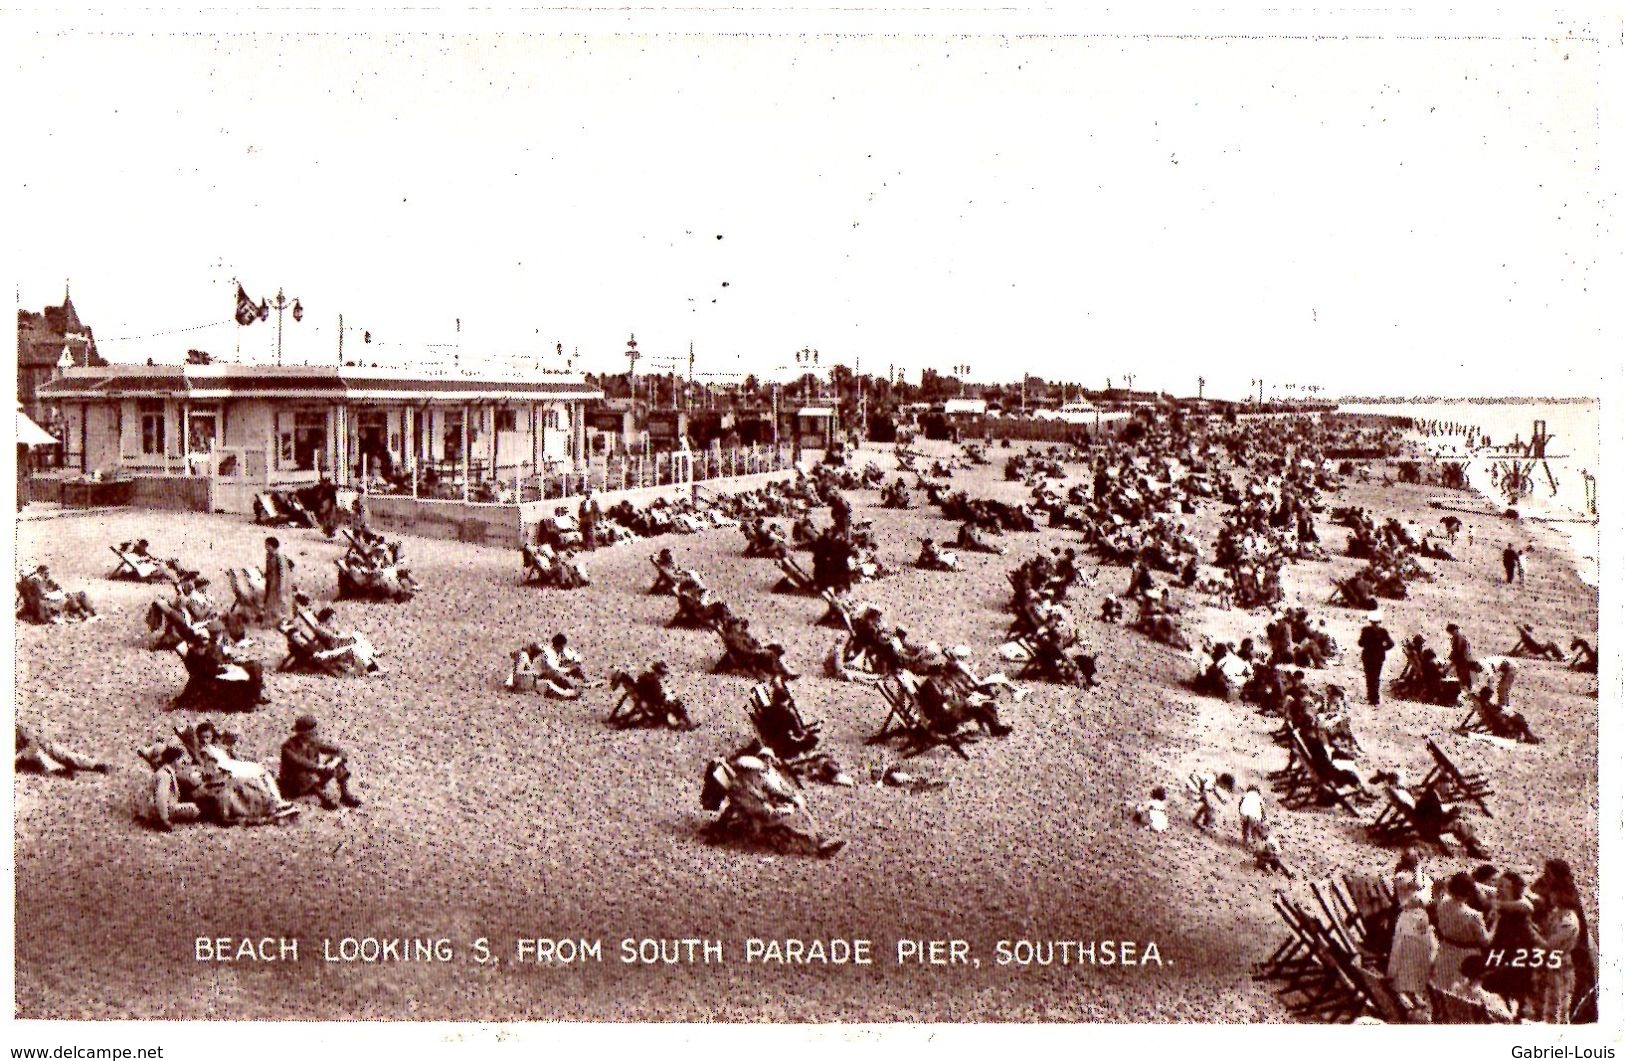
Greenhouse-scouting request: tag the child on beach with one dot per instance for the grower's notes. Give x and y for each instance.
(1207, 789)
(1154, 812)
(1251, 812)
(1267, 855)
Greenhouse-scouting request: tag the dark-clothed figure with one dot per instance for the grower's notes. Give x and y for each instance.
(1512, 561)
(310, 764)
(1375, 642)
(278, 583)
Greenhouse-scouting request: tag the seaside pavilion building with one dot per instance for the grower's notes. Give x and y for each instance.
(259, 427)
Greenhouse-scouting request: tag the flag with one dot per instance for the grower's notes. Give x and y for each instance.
(245, 307)
(264, 311)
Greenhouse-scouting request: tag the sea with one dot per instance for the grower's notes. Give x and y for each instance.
(1575, 432)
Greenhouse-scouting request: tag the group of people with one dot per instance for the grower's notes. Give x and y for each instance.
(199, 776)
(373, 568)
(41, 599)
(1512, 949)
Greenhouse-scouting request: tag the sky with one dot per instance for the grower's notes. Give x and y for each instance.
(1369, 216)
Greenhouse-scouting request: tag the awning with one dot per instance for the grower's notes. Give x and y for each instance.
(30, 433)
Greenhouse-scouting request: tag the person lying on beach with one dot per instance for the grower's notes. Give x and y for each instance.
(1585, 657)
(1532, 647)
(351, 650)
(37, 755)
(934, 558)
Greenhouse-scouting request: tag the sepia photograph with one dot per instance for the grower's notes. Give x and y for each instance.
(811, 518)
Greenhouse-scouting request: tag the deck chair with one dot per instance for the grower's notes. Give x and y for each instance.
(1398, 825)
(630, 710)
(1320, 787)
(839, 612)
(1473, 721)
(1328, 990)
(905, 721)
(537, 572)
(248, 591)
(303, 655)
(693, 612)
(665, 582)
(756, 704)
(1292, 958)
(795, 579)
(1341, 918)
(736, 658)
(268, 510)
(1454, 784)
(172, 625)
(138, 568)
(1344, 595)
(1368, 907)
(1384, 1000)
(1292, 781)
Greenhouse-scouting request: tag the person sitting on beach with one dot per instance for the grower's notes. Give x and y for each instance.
(310, 764)
(781, 726)
(658, 699)
(934, 558)
(759, 802)
(352, 650)
(45, 601)
(217, 673)
(1585, 656)
(37, 755)
(1531, 647)
(1153, 813)
(219, 750)
(174, 795)
(1500, 721)
(553, 669)
(1111, 610)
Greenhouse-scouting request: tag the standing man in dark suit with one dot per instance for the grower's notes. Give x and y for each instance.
(1374, 645)
(1511, 560)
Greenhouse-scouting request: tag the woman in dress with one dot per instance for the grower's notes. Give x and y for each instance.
(1411, 958)
(1560, 927)
(1512, 933)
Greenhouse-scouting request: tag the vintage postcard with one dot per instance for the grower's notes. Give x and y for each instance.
(895, 518)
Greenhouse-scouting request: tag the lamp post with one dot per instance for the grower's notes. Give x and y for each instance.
(279, 305)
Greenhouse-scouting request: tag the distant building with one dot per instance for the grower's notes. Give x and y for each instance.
(41, 340)
(289, 425)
